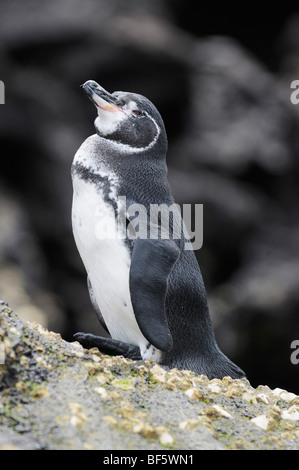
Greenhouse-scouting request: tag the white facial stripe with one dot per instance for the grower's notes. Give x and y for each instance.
(130, 106)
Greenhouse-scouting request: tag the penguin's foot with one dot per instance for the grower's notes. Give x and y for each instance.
(109, 346)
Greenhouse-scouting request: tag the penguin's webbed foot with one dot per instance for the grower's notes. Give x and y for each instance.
(109, 346)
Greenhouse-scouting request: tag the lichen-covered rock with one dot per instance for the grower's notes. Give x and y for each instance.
(57, 395)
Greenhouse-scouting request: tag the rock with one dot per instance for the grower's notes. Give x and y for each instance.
(284, 395)
(10, 440)
(57, 395)
(235, 98)
(291, 413)
(216, 411)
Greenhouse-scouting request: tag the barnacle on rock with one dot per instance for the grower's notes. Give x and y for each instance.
(65, 397)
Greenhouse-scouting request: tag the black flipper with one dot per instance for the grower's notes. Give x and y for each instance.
(108, 346)
(151, 264)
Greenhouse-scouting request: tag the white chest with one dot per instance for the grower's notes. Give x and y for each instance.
(107, 262)
(106, 259)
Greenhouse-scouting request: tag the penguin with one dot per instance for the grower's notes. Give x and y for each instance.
(148, 292)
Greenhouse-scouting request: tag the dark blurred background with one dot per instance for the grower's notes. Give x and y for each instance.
(221, 80)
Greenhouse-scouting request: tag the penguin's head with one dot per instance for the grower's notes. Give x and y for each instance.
(128, 119)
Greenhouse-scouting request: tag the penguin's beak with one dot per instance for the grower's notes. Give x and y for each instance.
(100, 97)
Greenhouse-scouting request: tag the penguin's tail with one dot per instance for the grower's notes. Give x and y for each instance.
(215, 365)
(220, 366)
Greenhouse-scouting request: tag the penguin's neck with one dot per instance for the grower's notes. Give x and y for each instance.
(143, 175)
(145, 172)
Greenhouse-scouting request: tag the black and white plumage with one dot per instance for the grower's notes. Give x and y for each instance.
(148, 293)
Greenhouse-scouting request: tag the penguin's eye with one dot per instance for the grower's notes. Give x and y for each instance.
(137, 112)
